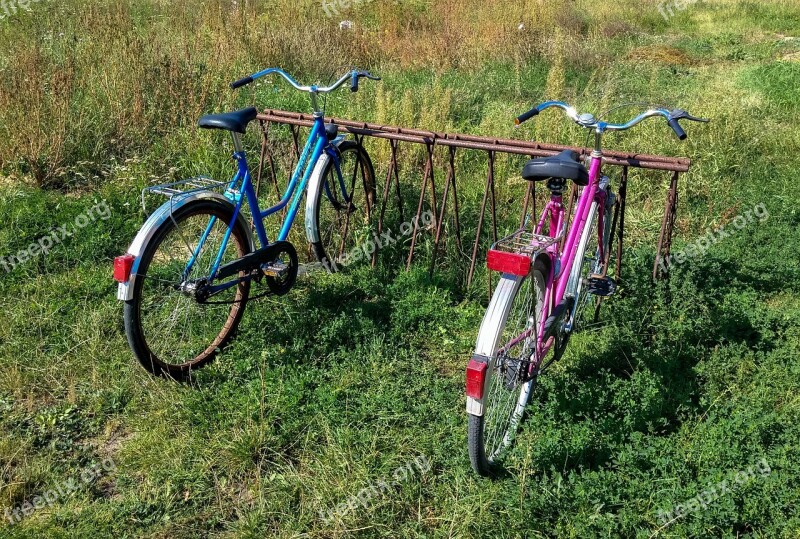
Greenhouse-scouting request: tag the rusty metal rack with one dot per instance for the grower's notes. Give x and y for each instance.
(491, 146)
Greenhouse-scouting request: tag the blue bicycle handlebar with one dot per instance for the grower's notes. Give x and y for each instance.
(588, 120)
(353, 75)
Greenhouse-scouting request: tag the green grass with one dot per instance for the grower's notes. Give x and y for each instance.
(330, 390)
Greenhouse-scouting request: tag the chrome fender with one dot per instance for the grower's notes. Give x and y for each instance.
(312, 230)
(158, 218)
(490, 331)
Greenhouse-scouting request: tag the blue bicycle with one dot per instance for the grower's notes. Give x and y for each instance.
(186, 278)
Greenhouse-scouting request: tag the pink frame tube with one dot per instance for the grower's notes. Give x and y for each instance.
(581, 216)
(557, 282)
(553, 214)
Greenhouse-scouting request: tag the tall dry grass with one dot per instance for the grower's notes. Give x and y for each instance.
(86, 83)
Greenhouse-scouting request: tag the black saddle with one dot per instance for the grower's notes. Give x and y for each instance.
(230, 121)
(332, 130)
(564, 165)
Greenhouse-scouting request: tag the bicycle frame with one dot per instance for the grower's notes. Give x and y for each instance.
(496, 379)
(316, 144)
(553, 215)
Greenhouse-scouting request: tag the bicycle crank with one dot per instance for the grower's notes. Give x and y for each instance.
(255, 260)
(281, 271)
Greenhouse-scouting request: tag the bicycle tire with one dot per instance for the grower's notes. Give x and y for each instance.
(151, 342)
(486, 461)
(586, 264)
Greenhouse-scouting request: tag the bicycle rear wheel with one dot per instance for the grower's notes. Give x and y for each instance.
(516, 309)
(169, 330)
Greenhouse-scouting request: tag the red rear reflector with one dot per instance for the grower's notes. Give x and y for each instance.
(513, 263)
(122, 268)
(476, 374)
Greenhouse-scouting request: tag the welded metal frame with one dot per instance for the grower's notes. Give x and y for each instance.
(491, 146)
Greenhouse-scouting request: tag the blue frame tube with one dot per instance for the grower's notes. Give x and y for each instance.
(315, 146)
(289, 221)
(317, 133)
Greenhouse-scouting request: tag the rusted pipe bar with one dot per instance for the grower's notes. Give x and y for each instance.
(388, 184)
(264, 141)
(555, 148)
(423, 189)
(613, 229)
(550, 148)
(296, 142)
(494, 215)
(432, 172)
(494, 197)
(481, 215)
(267, 152)
(386, 190)
(455, 199)
(450, 179)
(623, 195)
(489, 144)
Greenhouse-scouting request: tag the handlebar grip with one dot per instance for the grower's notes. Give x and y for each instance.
(526, 116)
(354, 82)
(241, 82)
(673, 123)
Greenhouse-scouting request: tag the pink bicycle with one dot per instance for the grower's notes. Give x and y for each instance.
(546, 282)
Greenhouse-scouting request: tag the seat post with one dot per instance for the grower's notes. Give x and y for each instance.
(237, 142)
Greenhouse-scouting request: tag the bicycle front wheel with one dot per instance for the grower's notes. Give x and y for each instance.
(590, 259)
(170, 330)
(509, 330)
(343, 208)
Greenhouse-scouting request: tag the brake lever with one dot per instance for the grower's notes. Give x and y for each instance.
(368, 75)
(679, 114)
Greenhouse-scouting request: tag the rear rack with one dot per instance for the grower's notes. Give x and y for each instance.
(524, 242)
(513, 254)
(191, 185)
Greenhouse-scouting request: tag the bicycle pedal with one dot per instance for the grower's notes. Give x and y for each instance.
(276, 269)
(598, 285)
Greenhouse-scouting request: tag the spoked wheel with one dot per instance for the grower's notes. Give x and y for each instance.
(344, 208)
(172, 327)
(510, 329)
